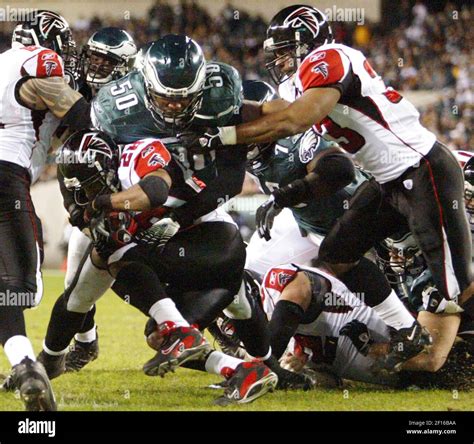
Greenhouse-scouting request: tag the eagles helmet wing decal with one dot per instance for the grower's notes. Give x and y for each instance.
(303, 17)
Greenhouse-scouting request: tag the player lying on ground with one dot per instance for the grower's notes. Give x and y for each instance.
(416, 179)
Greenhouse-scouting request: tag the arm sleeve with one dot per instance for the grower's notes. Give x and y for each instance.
(230, 165)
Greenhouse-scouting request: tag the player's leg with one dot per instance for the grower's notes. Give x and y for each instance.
(85, 347)
(21, 286)
(287, 245)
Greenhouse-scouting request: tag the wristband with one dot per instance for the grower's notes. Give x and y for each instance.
(228, 135)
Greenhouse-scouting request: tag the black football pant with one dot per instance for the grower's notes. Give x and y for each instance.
(428, 200)
(21, 250)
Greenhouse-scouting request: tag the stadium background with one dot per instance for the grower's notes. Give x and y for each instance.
(421, 48)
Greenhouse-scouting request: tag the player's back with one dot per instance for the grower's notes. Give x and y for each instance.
(20, 127)
(371, 121)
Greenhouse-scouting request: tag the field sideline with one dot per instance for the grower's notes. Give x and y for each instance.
(115, 381)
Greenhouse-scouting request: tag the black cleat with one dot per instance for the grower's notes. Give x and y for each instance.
(30, 378)
(288, 380)
(404, 345)
(54, 365)
(224, 334)
(81, 354)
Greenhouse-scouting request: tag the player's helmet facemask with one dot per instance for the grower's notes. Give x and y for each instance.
(469, 188)
(174, 71)
(258, 153)
(292, 34)
(108, 55)
(88, 162)
(49, 30)
(400, 257)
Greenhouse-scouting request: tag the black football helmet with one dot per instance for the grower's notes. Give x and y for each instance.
(257, 155)
(88, 162)
(174, 71)
(399, 257)
(108, 55)
(50, 30)
(292, 34)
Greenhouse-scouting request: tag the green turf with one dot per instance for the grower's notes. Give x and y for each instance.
(115, 380)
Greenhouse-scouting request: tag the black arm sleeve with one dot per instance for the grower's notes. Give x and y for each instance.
(230, 165)
(79, 116)
(331, 173)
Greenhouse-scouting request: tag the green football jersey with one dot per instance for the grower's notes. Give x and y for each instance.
(288, 162)
(120, 110)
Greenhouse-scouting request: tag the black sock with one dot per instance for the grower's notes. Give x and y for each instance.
(367, 282)
(89, 321)
(285, 320)
(254, 332)
(12, 320)
(138, 285)
(63, 325)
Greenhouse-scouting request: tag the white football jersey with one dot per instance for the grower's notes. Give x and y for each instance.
(24, 131)
(375, 124)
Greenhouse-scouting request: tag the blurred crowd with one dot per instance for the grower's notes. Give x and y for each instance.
(413, 49)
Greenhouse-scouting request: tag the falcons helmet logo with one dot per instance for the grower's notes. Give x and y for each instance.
(91, 145)
(48, 21)
(303, 17)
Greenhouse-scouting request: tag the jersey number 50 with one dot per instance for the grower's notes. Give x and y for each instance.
(126, 101)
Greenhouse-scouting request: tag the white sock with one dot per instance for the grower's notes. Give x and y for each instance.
(394, 313)
(17, 348)
(217, 361)
(55, 353)
(165, 310)
(88, 336)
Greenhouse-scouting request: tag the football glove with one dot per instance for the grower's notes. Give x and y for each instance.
(265, 217)
(208, 141)
(359, 334)
(158, 234)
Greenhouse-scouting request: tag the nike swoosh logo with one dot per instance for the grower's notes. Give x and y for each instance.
(412, 336)
(168, 350)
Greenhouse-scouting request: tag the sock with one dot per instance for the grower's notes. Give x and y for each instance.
(54, 353)
(63, 325)
(165, 310)
(218, 363)
(87, 336)
(285, 320)
(254, 333)
(17, 348)
(89, 322)
(394, 313)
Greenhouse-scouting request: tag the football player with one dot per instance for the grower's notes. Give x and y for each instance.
(415, 178)
(107, 56)
(36, 97)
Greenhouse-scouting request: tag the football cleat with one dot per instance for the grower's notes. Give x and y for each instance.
(81, 354)
(30, 378)
(404, 345)
(288, 380)
(54, 365)
(250, 381)
(180, 344)
(224, 334)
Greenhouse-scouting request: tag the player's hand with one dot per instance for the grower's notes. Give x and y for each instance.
(159, 233)
(208, 141)
(265, 217)
(359, 334)
(293, 363)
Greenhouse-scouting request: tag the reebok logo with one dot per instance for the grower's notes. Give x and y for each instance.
(37, 427)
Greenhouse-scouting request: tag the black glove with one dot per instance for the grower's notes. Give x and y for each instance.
(208, 141)
(265, 216)
(359, 334)
(76, 216)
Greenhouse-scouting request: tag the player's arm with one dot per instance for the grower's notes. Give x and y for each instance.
(230, 165)
(54, 94)
(150, 192)
(253, 110)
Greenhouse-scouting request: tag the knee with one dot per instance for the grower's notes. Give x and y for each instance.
(434, 362)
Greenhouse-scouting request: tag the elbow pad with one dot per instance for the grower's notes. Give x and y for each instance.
(156, 190)
(79, 116)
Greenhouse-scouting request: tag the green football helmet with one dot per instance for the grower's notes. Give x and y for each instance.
(174, 71)
(108, 55)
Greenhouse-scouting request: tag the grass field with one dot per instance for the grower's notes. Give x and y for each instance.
(115, 380)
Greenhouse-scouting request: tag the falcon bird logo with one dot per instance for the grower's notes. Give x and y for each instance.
(321, 68)
(48, 21)
(303, 17)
